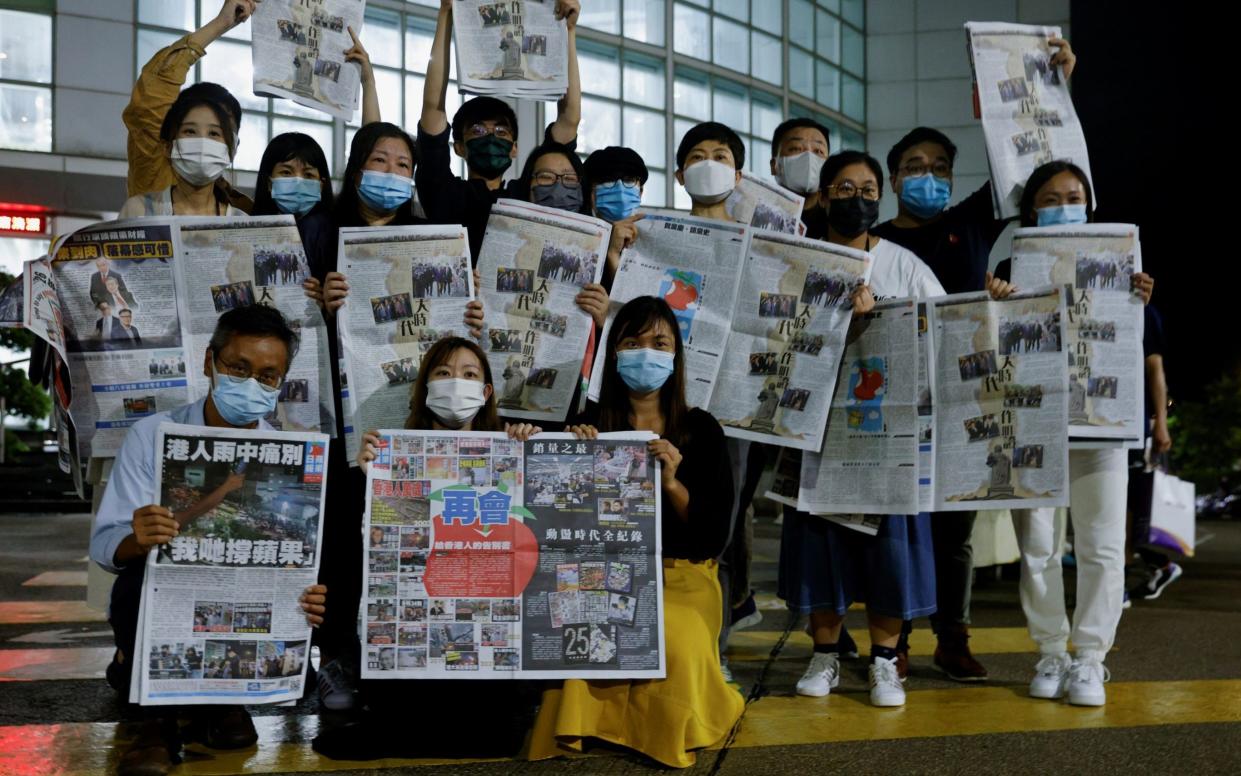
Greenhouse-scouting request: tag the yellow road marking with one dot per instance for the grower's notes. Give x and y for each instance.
(39, 612)
(29, 665)
(756, 645)
(57, 579)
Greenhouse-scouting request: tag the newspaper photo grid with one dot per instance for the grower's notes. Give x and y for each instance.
(511, 48)
(298, 53)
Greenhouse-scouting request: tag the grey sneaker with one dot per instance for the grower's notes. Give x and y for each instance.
(338, 686)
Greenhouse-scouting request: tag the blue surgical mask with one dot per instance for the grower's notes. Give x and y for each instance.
(241, 401)
(296, 195)
(926, 195)
(644, 369)
(1061, 214)
(615, 201)
(384, 191)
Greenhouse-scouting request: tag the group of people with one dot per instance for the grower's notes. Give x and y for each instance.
(182, 141)
(279, 268)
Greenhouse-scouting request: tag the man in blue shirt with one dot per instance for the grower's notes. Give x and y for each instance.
(246, 360)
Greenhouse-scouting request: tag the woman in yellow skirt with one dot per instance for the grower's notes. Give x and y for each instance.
(665, 719)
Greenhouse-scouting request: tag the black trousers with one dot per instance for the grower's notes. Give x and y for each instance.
(340, 562)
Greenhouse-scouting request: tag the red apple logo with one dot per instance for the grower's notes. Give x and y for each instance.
(469, 558)
(682, 295)
(868, 384)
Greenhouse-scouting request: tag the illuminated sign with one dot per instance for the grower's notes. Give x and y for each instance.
(23, 223)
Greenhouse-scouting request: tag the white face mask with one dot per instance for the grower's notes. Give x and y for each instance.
(800, 172)
(709, 181)
(455, 401)
(199, 160)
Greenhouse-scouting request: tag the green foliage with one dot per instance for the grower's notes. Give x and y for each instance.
(1206, 434)
(21, 396)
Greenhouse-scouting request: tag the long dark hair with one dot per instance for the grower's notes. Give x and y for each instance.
(1039, 178)
(524, 182)
(286, 147)
(347, 209)
(638, 315)
(419, 416)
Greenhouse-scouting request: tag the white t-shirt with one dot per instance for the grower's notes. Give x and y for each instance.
(898, 272)
(158, 203)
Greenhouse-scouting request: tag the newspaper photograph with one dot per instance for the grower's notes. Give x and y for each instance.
(13, 302)
(491, 558)
(532, 265)
(778, 369)
(1104, 327)
(220, 621)
(869, 462)
(409, 287)
(1001, 401)
(786, 477)
(693, 264)
(511, 48)
(765, 204)
(1027, 113)
(231, 262)
(299, 49)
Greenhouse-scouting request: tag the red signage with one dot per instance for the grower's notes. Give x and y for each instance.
(23, 222)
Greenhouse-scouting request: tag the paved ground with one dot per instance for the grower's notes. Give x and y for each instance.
(1174, 701)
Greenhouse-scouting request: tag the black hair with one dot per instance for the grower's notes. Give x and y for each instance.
(914, 137)
(347, 209)
(253, 320)
(711, 130)
(478, 109)
(613, 163)
(524, 182)
(286, 147)
(1041, 175)
(842, 159)
(221, 102)
(799, 122)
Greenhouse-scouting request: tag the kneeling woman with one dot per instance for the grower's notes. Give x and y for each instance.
(665, 719)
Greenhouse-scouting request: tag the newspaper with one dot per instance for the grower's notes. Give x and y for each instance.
(511, 48)
(1103, 330)
(926, 413)
(869, 463)
(765, 204)
(13, 303)
(693, 264)
(789, 323)
(299, 53)
(1027, 113)
(533, 263)
(786, 477)
(220, 621)
(488, 558)
(1001, 401)
(41, 304)
(409, 286)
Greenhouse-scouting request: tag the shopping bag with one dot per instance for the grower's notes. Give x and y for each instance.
(1172, 514)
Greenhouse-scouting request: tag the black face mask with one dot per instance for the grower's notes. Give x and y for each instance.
(850, 217)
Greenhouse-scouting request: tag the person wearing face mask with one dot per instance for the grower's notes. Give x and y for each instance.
(617, 178)
(665, 719)
(246, 361)
(484, 134)
(709, 162)
(799, 146)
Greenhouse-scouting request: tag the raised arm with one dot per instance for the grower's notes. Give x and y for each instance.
(569, 107)
(435, 90)
(370, 97)
(232, 13)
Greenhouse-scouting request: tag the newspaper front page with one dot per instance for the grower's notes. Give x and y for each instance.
(1001, 401)
(1104, 326)
(693, 264)
(299, 53)
(765, 204)
(1027, 113)
(779, 366)
(490, 558)
(220, 621)
(533, 263)
(409, 287)
(511, 48)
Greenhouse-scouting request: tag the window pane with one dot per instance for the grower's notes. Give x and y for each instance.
(690, 95)
(801, 72)
(229, 66)
(25, 117)
(601, 15)
(178, 14)
(765, 60)
(758, 159)
(732, 45)
(801, 23)
(413, 103)
(767, 114)
(831, 5)
(381, 35)
(691, 32)
(853, 140)
(827, 37)
(600, 125)
(732, 106)
(388, 87)
(854, 51)
(26, 46)
(252, 141)
(644, 133)
(150, 41)
(853, 98)
(854, 12)
(654, 192)
(828, 85)
(644, 21)
(419, 35)
(207, 11)
(322, 133)
(600, 70)
(644, 81)
(679, 128)
(738, 9)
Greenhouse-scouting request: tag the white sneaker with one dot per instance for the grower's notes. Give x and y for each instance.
(1086, 679)
(821, 675)
(1051, 676)
(726, 672)
(885, 683)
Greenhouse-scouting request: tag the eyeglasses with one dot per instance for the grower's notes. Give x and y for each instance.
(549, 178)
(269, 379)
(629, 183)
(916, 169)
(499, 130)
(848, 190)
